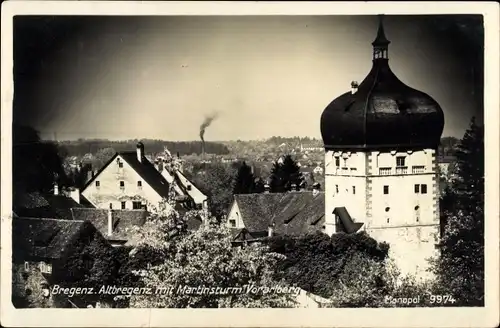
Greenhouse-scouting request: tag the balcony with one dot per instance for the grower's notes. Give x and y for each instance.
(385, 171)
(418, 169)
(401, 170)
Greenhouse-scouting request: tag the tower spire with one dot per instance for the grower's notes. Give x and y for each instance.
(380, 44)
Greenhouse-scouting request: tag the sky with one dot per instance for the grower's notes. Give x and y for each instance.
(160, 77)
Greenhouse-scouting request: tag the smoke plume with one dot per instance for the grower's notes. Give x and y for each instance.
(206, 123)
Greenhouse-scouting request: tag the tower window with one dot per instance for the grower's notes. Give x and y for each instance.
(417, 188)
(400, 161)
(353, 190)
(423, 188)
(386, 190)
(337, 162)
(124, 204)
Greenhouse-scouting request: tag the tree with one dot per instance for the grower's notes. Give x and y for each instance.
(186, 261)
(36, 164)
(460, 268)
(102, 157)
(285, 174)
(245, 180)
(216, 182)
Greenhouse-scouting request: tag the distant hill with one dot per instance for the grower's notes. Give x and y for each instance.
(83, 146)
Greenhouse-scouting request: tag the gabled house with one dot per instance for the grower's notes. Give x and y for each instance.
(127, 181)
(253, 217)
(43, 254)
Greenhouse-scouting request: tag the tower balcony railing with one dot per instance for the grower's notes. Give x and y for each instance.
(418, 169)
(385, 171)
(401, 169)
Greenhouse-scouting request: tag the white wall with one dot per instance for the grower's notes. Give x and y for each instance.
(412, 216)
(109, 190)
(235, 214)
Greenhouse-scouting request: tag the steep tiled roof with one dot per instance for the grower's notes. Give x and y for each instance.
(197, 196)
(36, 205)
(43, 238)
(123, 221)
(145, 169)
(291, 213)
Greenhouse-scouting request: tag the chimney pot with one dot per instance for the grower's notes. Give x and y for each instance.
(354, 87)
(270, 230)
(140, 152)
(110, 222)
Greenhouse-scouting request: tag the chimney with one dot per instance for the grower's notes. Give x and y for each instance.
(316, 188)
(140, 151)
(294, 187)
(266, 188)
(354, 87)
(270, 230)
(75, 194)
(110, 222)
(56, 189)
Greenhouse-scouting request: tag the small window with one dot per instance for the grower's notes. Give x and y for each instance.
(400, 161)
(136, 205)
(26, 266)
(337, 162)
(48, 268)
(232, 223)
(120, 164)
(417, 208)
(417, 188)
(387, 209)
(124, 204)
(139, 184)
(345, 162)
(122, 184)
(337, 189)
(353, 190)
(386, 190)
(42, 267)
(423, 188)
(388, 220)
(97, 184)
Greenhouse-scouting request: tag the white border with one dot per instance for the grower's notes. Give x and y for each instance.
(401, 317)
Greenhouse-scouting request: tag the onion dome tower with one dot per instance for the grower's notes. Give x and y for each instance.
(380, 144)
(382, 111)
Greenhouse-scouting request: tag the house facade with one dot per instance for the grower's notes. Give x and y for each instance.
(380, 142)
(128, 181)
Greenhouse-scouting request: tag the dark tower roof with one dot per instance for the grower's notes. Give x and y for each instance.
(382, 112)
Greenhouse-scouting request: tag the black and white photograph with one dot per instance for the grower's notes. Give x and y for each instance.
(204, 160)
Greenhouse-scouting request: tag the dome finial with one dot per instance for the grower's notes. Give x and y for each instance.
(380, 44)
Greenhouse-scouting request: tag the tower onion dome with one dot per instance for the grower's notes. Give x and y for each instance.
(382, 112)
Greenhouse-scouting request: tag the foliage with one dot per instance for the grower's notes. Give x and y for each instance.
(36, 164)
(216, 182)
(285, 174)
(203, 258)
(102, 157)
(246, 182)
(460, 268)
(315, 261)
(366, 282)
